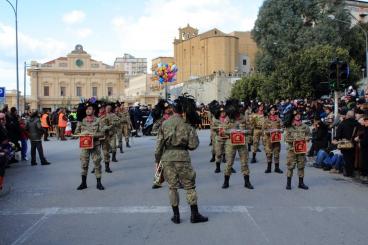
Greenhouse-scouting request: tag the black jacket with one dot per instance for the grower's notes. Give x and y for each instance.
(346, 128)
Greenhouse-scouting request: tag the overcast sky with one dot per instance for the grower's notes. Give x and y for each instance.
(107, 29)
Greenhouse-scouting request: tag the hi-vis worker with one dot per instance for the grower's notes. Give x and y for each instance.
(63, 121)
(45, 123)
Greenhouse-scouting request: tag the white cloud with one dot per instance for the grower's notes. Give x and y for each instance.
(28, 46)
(84, 32)
(153, 33)
(74, 16)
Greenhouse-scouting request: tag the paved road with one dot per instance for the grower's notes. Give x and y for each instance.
(44, 206)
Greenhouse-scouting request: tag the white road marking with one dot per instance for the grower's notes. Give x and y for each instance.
(152, 210)
(31, 230)
(257, 226)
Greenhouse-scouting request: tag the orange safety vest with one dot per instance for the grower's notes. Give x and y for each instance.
(62, 122)
(44, 123)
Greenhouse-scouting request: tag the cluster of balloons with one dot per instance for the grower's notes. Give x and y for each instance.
(165, 73)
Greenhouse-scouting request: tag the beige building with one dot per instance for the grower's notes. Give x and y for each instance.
(11, 100)
(198, 55)
(66, 80)
(141, 90)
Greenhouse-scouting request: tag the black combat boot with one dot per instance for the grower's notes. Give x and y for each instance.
(176, 217)
(121, 148)
(268, 169)
(213, 158)
(93, 171)
(226, 182)
(107, 167)
(156, 186)
(196, 217)
(217, 170)
(249, 147)
(233, 170)
(277, 168)
(259, 150)
(113, 158)
(288, 184)
(247, 183)
(254, 160)
(301, 184)
(99, 185)
(127, 144)
(83, 185)
(223, 158)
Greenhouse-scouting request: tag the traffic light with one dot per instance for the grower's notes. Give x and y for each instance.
(339, 75)
(333, 70)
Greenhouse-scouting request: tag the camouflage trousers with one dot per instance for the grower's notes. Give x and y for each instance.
(257, 137)
(219, 149)
(213, 140)
(230, 157)
(95, 154)
(119, 137)
(272, 150)
(126, 132)
(113, 143)
(106, 149)
(176, 173)
(293, 160)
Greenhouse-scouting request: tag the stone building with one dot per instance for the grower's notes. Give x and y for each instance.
(198, 55)
(359, 10)
(64, 81)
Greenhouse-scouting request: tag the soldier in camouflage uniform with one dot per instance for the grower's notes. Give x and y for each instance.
(235, 121)
(257, 121)
(90, 125)
(106, 126)
(272, 124)
(115, 120)
(174, 139)
(295, 130)
(126, 123)
(211, 116)
(119, 130)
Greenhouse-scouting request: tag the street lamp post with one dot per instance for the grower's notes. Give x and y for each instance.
(15, 9)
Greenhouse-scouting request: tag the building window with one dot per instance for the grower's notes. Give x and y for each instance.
(244, 62)
(79, 91)
(94, 91)
(46, 91)
(109, 91)
(62, 91)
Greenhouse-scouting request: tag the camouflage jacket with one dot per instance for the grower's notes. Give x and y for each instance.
(106, 125)
(238, 124)
(257, 121)
(124, 117)
(116, 122)
(294, 133)
(269, 125)
(175, 137)
(84, 127)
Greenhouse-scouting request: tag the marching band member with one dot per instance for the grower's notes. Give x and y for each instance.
(90, 132)
(297, 135)
(272, 129)
(236, 127)
(176, 137)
